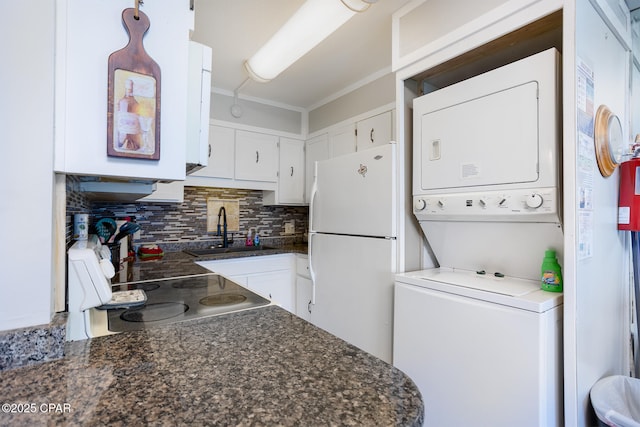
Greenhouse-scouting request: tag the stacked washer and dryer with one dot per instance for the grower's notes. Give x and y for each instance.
(479, 337)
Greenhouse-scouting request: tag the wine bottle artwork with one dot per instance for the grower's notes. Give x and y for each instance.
(133, 113)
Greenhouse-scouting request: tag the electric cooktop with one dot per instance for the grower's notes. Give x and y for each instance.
(176, 300)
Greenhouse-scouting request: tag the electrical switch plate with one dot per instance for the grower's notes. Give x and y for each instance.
(289, 227)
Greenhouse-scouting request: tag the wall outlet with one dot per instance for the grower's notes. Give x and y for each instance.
(290, 227)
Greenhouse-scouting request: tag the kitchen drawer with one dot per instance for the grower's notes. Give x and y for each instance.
(249, 265)
(302, 266)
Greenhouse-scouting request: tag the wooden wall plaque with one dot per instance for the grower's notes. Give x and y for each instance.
(133, 113)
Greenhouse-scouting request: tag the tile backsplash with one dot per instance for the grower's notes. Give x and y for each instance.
(184, 225)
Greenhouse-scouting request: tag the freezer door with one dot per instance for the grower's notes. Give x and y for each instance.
(353, 279)
(355, 193)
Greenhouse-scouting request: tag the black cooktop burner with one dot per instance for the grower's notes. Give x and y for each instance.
(223, 299)
(189, 284)
(147, 287)
(154, 312)
(176, 300)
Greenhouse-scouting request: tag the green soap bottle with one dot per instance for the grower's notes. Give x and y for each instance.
(551, 272)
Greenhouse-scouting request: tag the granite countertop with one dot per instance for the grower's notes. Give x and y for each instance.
(257, 367)
(179, 264)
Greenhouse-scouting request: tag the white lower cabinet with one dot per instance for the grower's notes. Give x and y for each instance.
(275, 285)
(271, 276)
(304, 287)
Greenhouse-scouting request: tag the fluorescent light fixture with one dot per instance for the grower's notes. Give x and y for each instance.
(311, 24)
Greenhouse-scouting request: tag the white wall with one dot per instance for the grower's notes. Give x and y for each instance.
(376, 93)
(258, 114)
(412, 254)
(26, 162)
(596, 299)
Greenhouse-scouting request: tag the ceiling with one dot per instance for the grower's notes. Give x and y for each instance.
(236, 29)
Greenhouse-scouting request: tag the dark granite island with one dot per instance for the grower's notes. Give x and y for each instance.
(259, 367)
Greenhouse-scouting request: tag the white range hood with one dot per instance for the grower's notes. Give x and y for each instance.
(106, 189)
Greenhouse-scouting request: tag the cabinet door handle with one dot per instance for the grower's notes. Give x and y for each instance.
(371, 135)
(291, 170)
(309, 306)
(257, 156)
(209, 151)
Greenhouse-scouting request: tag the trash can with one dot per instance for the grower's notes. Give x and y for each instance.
(616, 400)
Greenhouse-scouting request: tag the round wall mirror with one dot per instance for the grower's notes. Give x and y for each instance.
(608, 139)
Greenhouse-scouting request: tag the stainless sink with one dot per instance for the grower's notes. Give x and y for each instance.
(214, 251)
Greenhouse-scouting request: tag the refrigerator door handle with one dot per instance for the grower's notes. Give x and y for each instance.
(312, 197)
(312, 273)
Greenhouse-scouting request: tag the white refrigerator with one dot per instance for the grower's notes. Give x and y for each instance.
(353, 248)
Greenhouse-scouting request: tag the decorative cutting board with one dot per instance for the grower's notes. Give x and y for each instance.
(133, 114)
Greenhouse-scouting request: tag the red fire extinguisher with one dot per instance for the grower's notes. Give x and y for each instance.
(629, 197)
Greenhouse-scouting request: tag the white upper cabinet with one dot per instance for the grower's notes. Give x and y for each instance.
(290, 174)
(256, 156)
(221, 154)
(317, 149)
(222, 149)
(342, 140)
(199, 103)
(239, 159)
(85, 37)
(373, 131)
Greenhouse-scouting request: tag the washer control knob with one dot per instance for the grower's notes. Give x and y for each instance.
(534, 200)
(441, 203)
(419, 204)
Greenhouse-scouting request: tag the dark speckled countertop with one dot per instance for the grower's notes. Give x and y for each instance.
(178, 264)
(258, 367)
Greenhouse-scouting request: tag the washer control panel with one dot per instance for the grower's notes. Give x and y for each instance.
(527, 205)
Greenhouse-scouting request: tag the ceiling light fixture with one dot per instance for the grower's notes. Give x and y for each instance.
(311, 24)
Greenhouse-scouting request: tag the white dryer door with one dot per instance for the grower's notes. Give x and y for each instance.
(489, 140)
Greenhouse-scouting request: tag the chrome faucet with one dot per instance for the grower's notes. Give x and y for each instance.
(223, 212)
